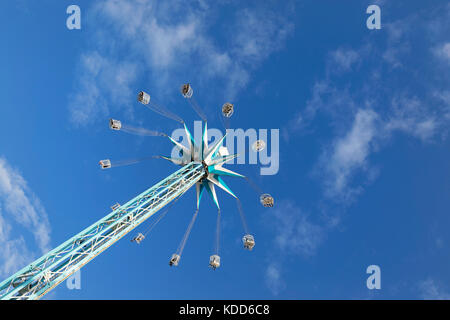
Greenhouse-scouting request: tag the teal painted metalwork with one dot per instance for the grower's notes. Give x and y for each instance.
(201, 165)
(36, 279)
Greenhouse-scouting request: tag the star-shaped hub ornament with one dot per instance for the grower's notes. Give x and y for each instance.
(213, 158)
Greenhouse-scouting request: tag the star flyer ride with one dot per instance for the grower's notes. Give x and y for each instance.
(201, 166)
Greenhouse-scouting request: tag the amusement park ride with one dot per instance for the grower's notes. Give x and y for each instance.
(201, 166)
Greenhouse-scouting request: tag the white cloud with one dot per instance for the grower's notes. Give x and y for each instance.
(13, 252)
(443, 51)
(443, 99)
(19, 204)
(273, 278)
(295, 233)
(325, 95)
(430, 290)
(394, 52)
(169, 43)
(391, 90)
(101, 80)
(258, 34)
(343, 59)
(349, 153)
(423, 114)
(325, 98)
(409, 115)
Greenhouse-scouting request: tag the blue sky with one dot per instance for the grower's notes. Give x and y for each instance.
(364, 148)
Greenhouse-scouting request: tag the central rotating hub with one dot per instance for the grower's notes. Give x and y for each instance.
(205, 167)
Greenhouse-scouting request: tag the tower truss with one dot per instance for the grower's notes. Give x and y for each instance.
(201, 165)
(42, 275)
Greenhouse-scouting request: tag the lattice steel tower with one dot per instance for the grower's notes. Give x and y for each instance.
(202, 166)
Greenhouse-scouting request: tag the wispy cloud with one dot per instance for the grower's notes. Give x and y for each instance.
(348, 154)
(366, 101)
(101, 80)
(443, 51)
(343, 59)
(274, 279)
(254, 41)
(365, 114)
(169, 43)
(19, 204)
(430, 290)
(410, 115)
(325, 98)
(296, 236)
(14, 253)
(295, 232)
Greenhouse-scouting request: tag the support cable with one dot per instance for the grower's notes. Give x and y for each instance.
(224, 120)
(121, 163)
(186, 234)
(241, 213)
(163, 111)
(197, 108)
(227, 122)
(253, 185)
(216, 249)
(141, 131)
(152, 225)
